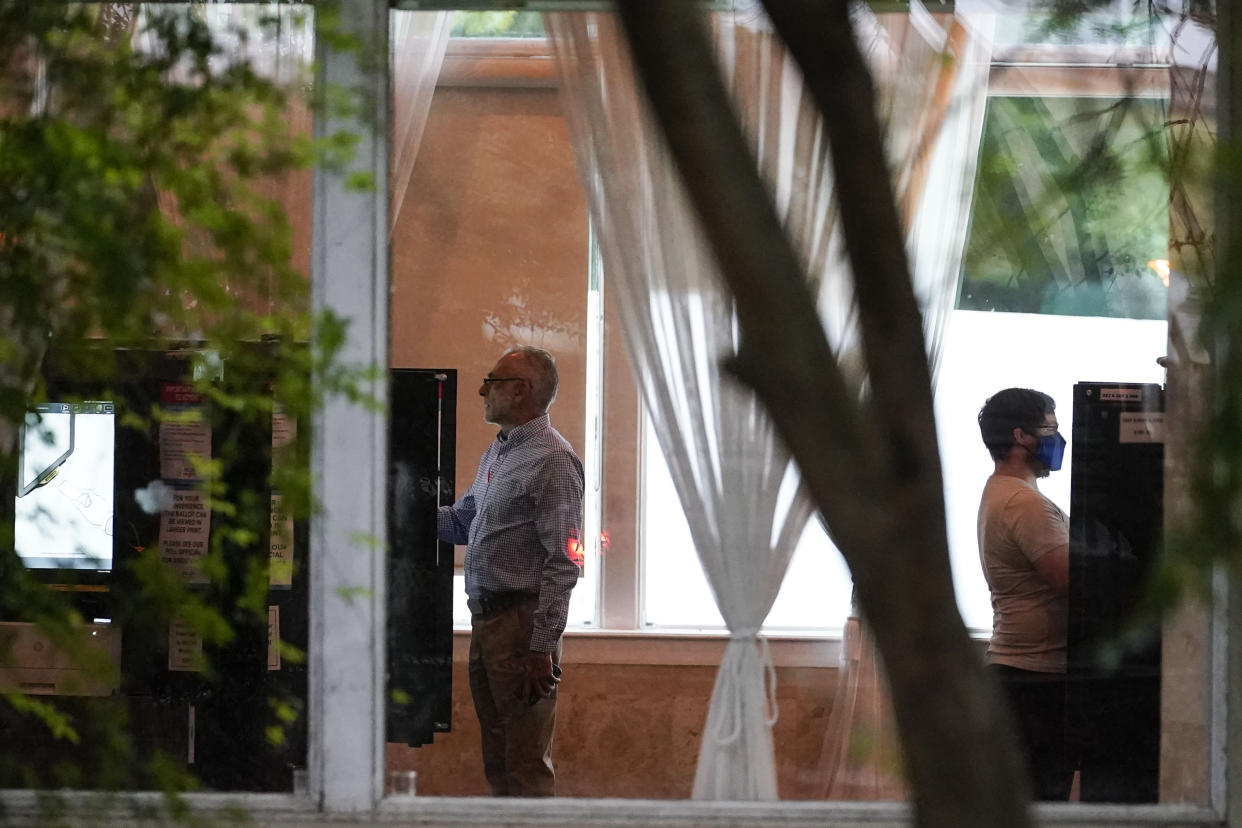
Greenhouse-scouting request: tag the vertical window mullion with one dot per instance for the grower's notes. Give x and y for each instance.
(349, 276)
(592, 455)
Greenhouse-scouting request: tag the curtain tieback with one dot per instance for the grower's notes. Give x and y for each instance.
(730, 727)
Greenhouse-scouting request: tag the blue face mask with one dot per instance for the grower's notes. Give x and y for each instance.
(1051, 451)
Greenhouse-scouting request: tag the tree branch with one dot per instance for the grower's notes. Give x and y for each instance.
(874, 472)
(776, 312)
(821, 38)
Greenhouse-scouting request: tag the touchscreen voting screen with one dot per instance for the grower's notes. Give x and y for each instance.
(64, 508)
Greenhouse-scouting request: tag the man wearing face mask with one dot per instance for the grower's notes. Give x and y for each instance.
(1024, 550)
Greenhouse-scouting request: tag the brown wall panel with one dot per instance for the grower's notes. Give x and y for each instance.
(490, 250)
(632, 731)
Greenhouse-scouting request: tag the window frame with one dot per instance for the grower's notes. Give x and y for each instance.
(349, 443)
(601, 812)
(526, 62)
(345, 716)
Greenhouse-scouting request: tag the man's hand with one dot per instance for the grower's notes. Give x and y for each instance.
(539, 680)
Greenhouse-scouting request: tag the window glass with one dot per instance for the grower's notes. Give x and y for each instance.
(490, 244)
(1070, 209)
(815, 594)
(1116, 23)
(153, 620)
(205, 685)
(497, 24)
(985, 352)
(1030, 225)
(490, 250)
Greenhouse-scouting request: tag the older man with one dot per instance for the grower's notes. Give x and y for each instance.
(521, 522)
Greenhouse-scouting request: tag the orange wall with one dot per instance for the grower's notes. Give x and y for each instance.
(632, 731)
(490, 250)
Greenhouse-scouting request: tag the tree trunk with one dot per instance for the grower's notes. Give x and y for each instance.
(872, 467)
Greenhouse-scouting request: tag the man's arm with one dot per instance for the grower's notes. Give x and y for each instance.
(1053, 567)
(558, 521)
(1039, 528)
(453, 522)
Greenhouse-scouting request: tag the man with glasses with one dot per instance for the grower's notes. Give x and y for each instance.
(1024, 549)
(521, 524)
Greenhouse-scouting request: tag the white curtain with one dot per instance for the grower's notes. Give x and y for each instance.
(930, 73)
(419, 40)
(860, 757)
(738, 486)
(735, 480)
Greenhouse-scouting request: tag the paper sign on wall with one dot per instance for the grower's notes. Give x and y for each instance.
(185, 526)
(284, 427)
(184, 532)
(187, 435)
(1121, 394)
(1141, 427)
(273, 637)
(280, 557)
(185, 647)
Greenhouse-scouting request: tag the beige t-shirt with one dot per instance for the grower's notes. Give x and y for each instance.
(1018, 525)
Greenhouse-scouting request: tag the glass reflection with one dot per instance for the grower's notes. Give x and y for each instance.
(153, 614)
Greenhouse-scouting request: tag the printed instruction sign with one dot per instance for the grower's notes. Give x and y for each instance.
(184, 534)
(1121, 395)
(185, 525)
(1141, 427)
(273, 637)
(284, 427)
(187, 435)
(185, 647)
(280, 558)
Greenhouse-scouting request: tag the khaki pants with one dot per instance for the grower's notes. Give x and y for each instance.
(517, 736)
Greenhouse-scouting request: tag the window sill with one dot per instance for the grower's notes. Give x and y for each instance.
(615, 813)
(29, 808)
(695, 647)
(678, 647)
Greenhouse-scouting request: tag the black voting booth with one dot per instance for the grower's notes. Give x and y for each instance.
(1116, 514)
(422, 445)
(217, 726)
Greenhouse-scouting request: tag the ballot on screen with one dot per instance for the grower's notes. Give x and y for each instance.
(64, 506)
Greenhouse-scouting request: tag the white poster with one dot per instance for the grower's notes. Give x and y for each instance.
(284, 427)
(1141, 427)
(185, 647)
(280, 558)
(184, 533)
(273, 637)
(185, 436)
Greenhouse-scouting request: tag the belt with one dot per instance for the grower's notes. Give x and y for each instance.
(496, 601)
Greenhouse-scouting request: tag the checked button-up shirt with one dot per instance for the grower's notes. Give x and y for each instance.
(521, 523)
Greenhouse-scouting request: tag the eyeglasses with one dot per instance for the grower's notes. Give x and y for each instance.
(1051, 429)
(488, 380)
